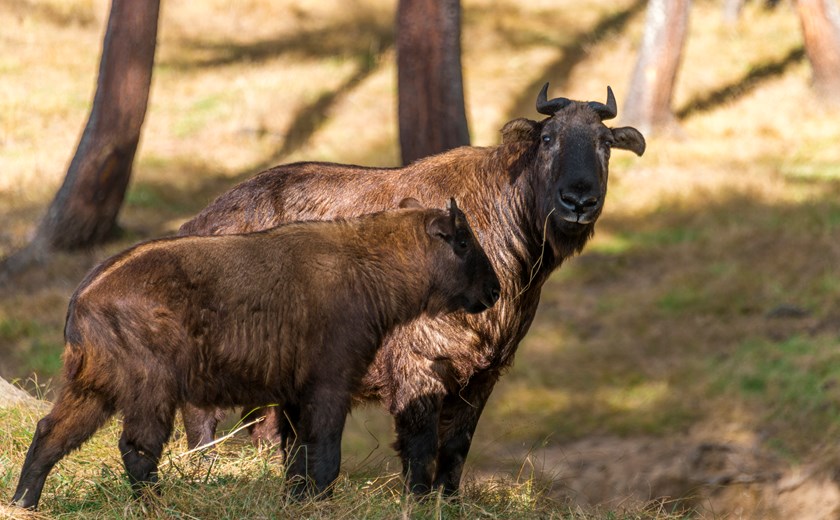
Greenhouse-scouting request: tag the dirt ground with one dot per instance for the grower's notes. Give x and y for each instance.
(705, 473)
(721, 475)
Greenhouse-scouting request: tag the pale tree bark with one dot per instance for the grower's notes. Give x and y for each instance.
(84, 211)
(731, 10)
(432, 117)
(820, 20)
(648, 105)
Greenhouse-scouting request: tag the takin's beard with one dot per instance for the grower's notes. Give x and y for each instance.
(566, 238)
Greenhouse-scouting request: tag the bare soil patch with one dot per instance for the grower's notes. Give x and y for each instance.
(698, 474)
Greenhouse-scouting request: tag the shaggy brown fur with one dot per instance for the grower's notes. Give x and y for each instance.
(292, 315)
(533, 201)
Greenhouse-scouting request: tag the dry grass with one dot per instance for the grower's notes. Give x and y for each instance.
(706, 306)
(241, 482)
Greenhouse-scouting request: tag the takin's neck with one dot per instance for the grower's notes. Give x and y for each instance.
(393, 283)
(527, 246)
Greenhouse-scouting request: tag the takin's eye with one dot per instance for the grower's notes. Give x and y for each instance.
(462, 241)
(546, 139)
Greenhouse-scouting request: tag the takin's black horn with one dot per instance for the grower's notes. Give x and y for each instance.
(549, 108)
(607, 111)
(452, 206)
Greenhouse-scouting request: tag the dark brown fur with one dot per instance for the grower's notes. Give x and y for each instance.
(292, 315)
(533, 201)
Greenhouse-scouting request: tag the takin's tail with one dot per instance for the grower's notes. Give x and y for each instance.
(74, 356)
(73, 359)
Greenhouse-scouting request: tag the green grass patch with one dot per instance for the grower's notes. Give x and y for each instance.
(13, 329)
(610, 244)
(791, 383)
(680, 299)
(628, 241)
(145, 196)
(199, 114)
(156, 197)
(665, 236)
(812, 171)
(44, 357)
(633, 405)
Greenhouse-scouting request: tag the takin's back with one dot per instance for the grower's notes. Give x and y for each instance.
(323, 191)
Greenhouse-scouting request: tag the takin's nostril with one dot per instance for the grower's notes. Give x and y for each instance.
(591, 201)
(570, 201)
(569, 198)
(578, 204)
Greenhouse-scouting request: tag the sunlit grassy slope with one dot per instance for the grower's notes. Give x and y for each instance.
(709, 300)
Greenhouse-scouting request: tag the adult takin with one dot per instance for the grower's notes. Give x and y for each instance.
(533, 201)
(292, 315)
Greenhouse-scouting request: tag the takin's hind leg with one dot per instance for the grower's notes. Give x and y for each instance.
(265, 433)
(145, 430)
(200, 424)
(74, 418)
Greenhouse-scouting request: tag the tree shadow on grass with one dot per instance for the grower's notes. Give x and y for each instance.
(741, 87)
(309, 118)
(571, 55)
(362, 36)
(81, 14)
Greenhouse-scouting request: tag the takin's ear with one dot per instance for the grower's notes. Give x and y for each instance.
(628, 138)
(411, 203)
(520, 129)
(441, 226)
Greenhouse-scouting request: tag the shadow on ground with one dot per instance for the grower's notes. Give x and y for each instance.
(570, 55)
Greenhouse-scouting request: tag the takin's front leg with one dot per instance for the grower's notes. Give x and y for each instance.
(145, 431)
(417, 440)
(458, 419)
(316, 451)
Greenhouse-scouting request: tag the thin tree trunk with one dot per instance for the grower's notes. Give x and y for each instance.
(432, 118)
(820, 20)
(648, 105)
(732, 10)
(84, 211)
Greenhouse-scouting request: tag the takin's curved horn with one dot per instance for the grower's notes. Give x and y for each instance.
(549, 108)
(452, 206)
(607, 111)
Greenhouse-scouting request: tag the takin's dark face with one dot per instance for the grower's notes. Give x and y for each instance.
(574, 156)
(462, 270)
(571, 165)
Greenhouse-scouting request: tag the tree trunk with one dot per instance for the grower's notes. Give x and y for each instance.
(84, 211)
(648, 105)
(432, 118)
(732, 10)
(820, 21)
